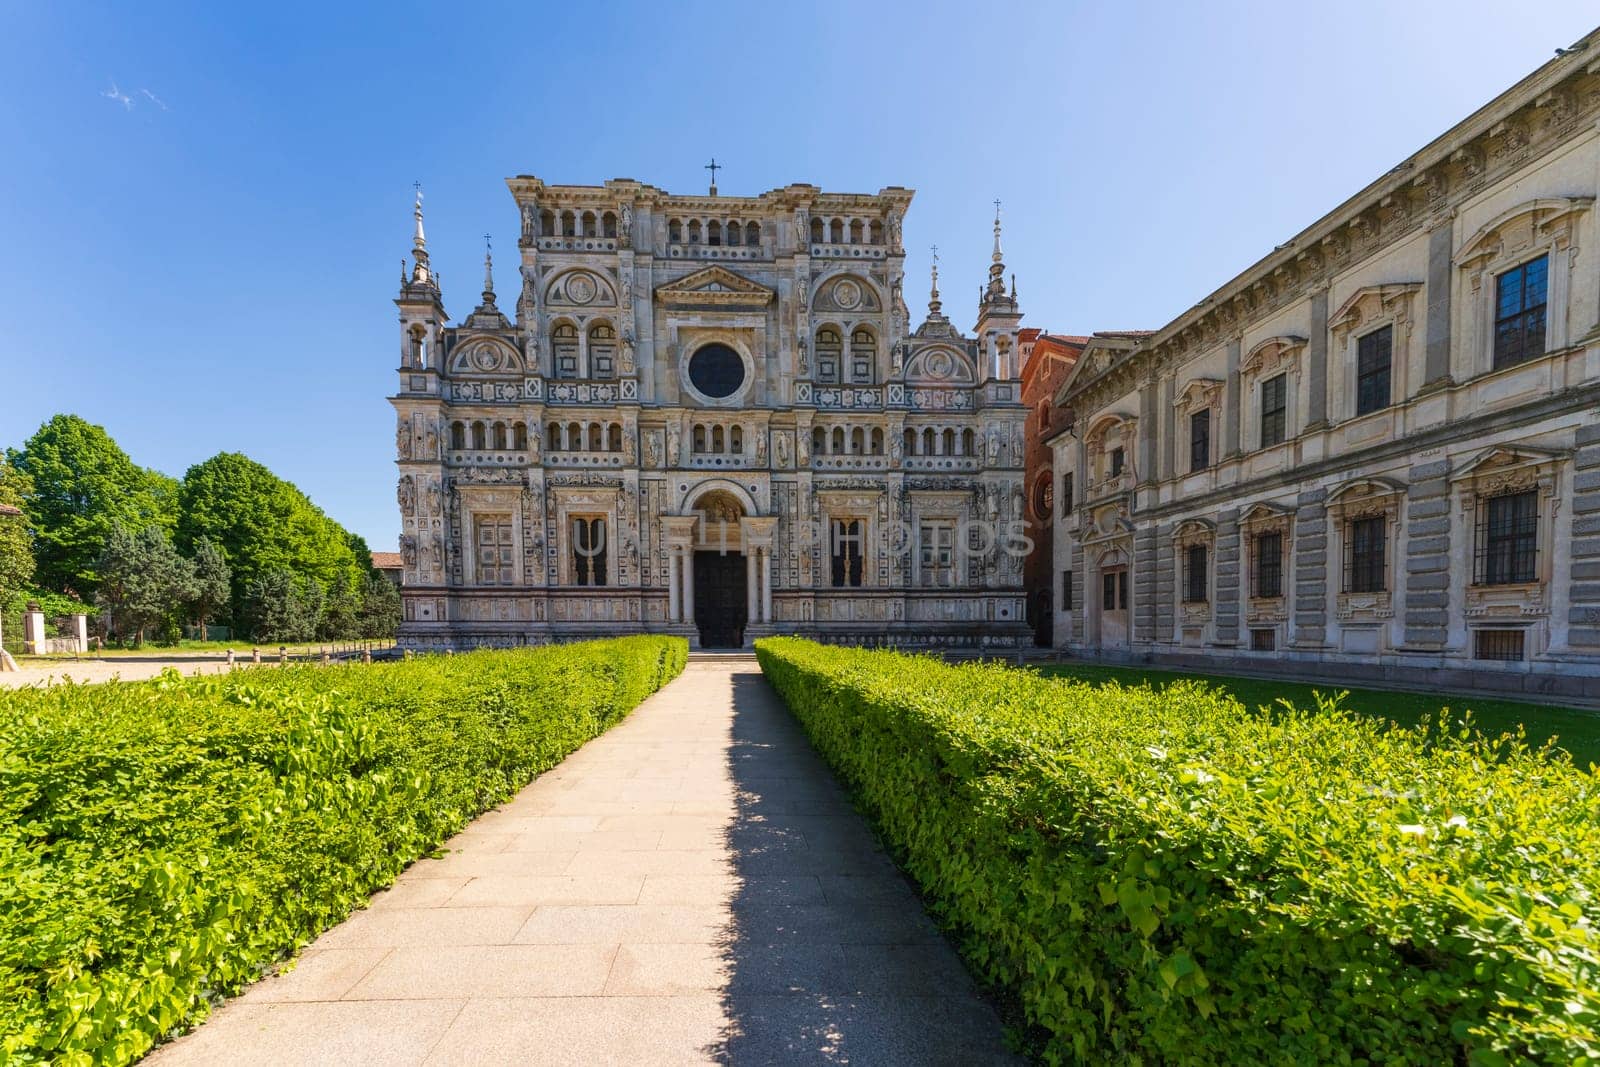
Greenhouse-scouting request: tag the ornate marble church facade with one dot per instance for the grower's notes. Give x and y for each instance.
(709, 416)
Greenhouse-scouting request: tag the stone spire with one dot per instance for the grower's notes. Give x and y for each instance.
(997, 268)
(488, 272)
(934, 306)
(420, 273)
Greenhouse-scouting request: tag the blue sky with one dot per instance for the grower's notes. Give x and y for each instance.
(203, 208)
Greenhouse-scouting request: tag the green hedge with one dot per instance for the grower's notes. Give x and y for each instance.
(164, 843)
(1169, 877)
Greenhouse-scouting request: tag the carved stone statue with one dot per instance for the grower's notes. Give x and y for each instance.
(781, 449)
(802, 227)
(761, 446)
(402, 439)
(894, 231)
(672, 443)
(625, 227)
(627, 447)
(652, 458)
(433, 496)
(530, 221)
(408, 495)
(431, 448)
(802, 448)
(408, 552)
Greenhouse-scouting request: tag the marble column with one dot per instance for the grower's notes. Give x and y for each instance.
(750, 580)
(673, 605)
(688, 585)
(766, 584)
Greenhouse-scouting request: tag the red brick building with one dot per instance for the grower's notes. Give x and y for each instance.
(1046, 359)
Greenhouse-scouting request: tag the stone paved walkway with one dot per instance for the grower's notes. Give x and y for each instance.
(691, 887)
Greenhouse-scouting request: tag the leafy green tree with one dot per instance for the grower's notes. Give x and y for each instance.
(212, 589)
(263, 524)
(143, 581)
(16, 547)
(82, 485)
(280, 607)
(380, 608)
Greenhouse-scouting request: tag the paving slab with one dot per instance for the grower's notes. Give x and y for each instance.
(691, 887)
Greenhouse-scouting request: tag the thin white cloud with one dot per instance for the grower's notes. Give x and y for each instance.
(154, 99)
(119, 96)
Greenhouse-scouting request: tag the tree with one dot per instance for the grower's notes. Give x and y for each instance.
(276, 608)
(380, 608)
(16, 547)
(82, 485)
(262, 524)
(143, 580)
(212, 587)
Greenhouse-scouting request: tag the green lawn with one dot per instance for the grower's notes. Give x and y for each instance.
(1578, 731)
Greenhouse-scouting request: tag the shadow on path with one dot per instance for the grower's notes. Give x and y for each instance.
(829, 955)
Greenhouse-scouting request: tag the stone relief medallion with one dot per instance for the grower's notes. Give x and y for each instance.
(580, 289)
(940, 365)
(847, 294)
(484, 358)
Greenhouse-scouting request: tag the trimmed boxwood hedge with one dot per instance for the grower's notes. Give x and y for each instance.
(1167, 876)
(162, 844)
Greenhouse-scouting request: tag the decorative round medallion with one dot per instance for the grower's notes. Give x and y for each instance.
(484, 358)
(580, 289)
(847, 294)
(716, 370)
(940, 365)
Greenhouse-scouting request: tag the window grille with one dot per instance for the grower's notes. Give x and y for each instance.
(1200, 440)
(1507, 539)
(847, 560)
(1374, 356)
(1194, 575)
(1499, 644)
(1269, 565)
(1365, 551)
(1274, 410)
(589, 550)
(1264, 640)
(1519, 317)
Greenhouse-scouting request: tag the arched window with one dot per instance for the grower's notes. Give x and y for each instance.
(575, 436)
(927, 441)
(836, 232)
(910, 442)
(967, 446)
(819, 440)
(500, 436)
(949, 442)
(519, 436)
(699, 440)
(597, 441)
(863, 355)
(838, 448)
(829, 349)
(876, 232)
(694, 231)
(752, 233)
(734, 232)
(458, 436)
(877, 441)
(614, 437)
(553, 435)
(569, 224)
(564, 346)
(857, 231)
(480, 436)
(609, 224)
(736, 441)
(713, 232)
(588, 224)
(547, 223)
(674, 231)
(717, 443)
(602, 350)
(818, 234)
(418, 352)
(858, 441)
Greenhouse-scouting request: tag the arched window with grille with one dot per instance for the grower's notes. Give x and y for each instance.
(734, 232)
(480, 436)
(877, 441)
(675, 231)
(736, 441)
(458, 435)
(863, 355)
(909, 442)
(608, 223)
(818, 234)
(500, 436)
(553, 437)
(602, 350)
(614, 438)
(699, 440)
(829, 349)
(564, 347)
(752, 233)
(819, 440)
(519, 437)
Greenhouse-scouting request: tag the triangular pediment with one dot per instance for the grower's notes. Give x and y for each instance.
(715, 285)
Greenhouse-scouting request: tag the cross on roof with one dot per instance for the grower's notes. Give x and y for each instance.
(713, 167)
(487, 244)
(418, 187)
